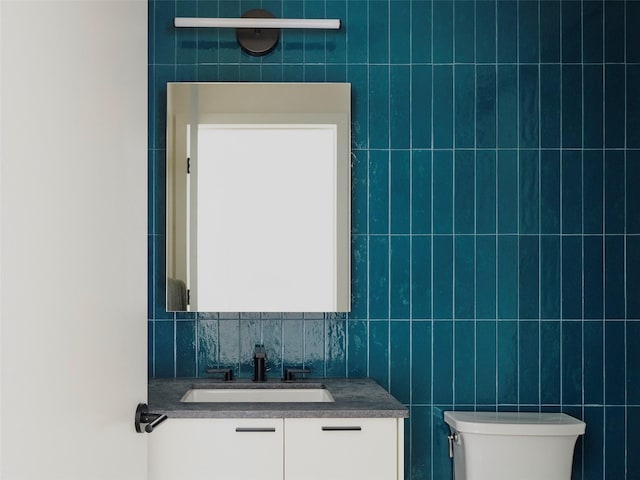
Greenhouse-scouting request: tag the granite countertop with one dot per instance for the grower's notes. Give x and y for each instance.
(354, 398)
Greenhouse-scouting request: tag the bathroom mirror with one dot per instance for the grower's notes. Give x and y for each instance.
(258, 197)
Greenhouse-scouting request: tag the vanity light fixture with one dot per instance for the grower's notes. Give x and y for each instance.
(257, 31)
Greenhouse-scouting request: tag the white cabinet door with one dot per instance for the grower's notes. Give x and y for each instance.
(216, 449)
(341, 449)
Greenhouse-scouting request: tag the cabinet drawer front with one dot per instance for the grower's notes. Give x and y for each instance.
(221, 449)
(343, 448)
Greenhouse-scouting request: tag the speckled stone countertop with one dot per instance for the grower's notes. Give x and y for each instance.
(354, 398)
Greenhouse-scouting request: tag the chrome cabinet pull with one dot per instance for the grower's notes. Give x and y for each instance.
(255, 430)
(341, 429)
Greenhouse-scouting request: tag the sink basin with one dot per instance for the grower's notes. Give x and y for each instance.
(251, 395)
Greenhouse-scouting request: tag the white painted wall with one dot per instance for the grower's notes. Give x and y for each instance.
(73, 213)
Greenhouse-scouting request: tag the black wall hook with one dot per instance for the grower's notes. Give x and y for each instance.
(151, 419)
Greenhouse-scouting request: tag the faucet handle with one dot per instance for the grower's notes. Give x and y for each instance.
(227, 373)
(290, 373)
(259, 351)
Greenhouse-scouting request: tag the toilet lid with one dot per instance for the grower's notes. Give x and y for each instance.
(515, 423)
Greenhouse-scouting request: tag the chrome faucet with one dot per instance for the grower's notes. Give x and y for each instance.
(259, 363)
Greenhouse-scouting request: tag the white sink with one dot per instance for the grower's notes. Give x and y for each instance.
(249, 395)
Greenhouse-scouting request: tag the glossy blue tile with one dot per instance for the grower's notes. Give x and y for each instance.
(250, 332)
(187, 51)
(633, 277)
(186, 348)
(529, 106)
(486, 210)
(571, 363)
(464, 28)
(593, 277)
(357, 348)
(632, 193)
(632, 34)
(464, 276)
(571, 106)
(420, 420)
(485, 363)
(359, 191)
(443, 362)
(464, 106)
(464, 167)
(507, 356)
(592, 32)
(507, 106)
(593, 362)
(379, 106)
(485, 297)
(379, 352)
(507, 276)
(421, 32)
(614, 277)
(293, 342)
(314, 40)
(400, 282)
(550, 277)
(400, 361)
(614, 106)
(593, 445)
(593, 109)
(593, 188)
(442, 32)
(550, 108)
(614, 363)
(357, 31)
(421, 362)
(314, 347)
(163, 74)
(160, 303)
(164, 44)
(400, 191)
(507, 32)
(549, 361)
(571, 32)
(150, 349)
(379, 44)
(632, 336)
(614, 31)
(421, 277)
(549, 191)
(550, 31)
(336, 44)
(486, 31)
(507, 191)
(528, 270)
(633, 106)
(272, 336)
(400, 106)
(421, 106)
(571, 191)
(485, 121)
(633, 441)
(378, 276)
(378, 191)
(421, 191)
(529, 362)
(164, 357)
(571, 277)
(359, 265)
(442, 106)
(528, 31)
(464, 362)
(443, 276)
(529, 192)
(358, 76)
(442, 192)
(335, 347)
(400, 31)
(614, 454)
(614, 191)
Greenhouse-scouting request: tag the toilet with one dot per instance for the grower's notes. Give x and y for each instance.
(511, 445)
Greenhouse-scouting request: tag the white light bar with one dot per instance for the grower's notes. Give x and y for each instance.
(329, 24)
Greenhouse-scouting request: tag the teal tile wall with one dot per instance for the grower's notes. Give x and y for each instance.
(496, 211)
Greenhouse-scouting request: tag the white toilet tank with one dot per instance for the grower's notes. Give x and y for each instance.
(512, 446)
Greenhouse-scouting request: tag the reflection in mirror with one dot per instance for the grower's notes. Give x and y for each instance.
(258, 197)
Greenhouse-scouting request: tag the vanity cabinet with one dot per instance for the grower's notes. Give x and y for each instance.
(343, 448)
(277, 449)
(217, 449)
